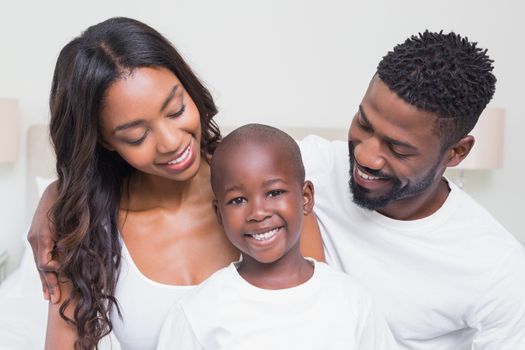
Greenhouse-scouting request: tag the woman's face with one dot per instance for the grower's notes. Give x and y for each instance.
(152, 122)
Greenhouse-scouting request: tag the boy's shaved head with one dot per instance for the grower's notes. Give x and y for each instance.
(268, 138)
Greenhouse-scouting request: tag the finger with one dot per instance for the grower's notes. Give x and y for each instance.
(44, 285)
(51, 281)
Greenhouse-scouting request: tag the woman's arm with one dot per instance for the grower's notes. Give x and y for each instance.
(60, 334)
(41, 237)
(311, 240)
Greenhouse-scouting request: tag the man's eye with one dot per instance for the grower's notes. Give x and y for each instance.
(363, 126)
(398, 154)
(237, 200)
(275, 193)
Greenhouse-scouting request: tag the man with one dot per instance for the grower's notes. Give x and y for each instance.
(447, 275)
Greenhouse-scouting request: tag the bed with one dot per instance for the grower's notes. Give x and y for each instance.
(23, 311)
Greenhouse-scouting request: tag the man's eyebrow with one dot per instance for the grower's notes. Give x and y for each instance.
(170, 97)
(386, 138)
(363, 115)
(399, 143)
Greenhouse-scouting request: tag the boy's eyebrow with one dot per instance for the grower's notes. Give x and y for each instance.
(233, 188)
(241, 187)
(386, 138)
(272, 181)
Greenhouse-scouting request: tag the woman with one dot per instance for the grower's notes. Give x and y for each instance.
(131, 211)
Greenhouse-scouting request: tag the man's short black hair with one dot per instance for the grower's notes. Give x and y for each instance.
(444, 74)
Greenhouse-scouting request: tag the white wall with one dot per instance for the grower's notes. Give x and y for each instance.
(281, 62)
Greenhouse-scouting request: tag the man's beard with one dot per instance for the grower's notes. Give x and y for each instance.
(363, 198)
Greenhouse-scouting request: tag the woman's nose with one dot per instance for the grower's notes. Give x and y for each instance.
(168, 139)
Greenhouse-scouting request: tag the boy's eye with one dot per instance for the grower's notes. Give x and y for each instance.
(237, 200)
(275, 193)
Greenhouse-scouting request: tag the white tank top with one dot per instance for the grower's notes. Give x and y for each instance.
(144, 305)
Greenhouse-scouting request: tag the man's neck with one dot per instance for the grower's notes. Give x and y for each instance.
(419, 206)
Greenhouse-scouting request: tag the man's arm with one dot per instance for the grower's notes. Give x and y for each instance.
(500, 315)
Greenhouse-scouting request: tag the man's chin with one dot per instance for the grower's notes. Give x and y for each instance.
(363, 198)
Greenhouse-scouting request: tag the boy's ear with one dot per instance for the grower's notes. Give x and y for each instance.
(217, 211)
(308, 197)
(458, 151)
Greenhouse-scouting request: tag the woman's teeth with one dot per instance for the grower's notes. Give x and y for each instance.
(182, 157)
(265, 235)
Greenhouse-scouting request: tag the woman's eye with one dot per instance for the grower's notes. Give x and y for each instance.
(178, 113)
(275, 193)
(237, 200)
(137, 141)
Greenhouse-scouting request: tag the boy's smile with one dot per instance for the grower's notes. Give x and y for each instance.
(260, 202)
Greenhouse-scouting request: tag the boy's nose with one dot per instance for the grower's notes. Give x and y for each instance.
(258, 211)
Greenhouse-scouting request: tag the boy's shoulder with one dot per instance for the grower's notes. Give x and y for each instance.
(211, 288)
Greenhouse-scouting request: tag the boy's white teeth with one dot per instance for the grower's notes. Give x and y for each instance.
(182, 157)
(265, 235)
(366, 176)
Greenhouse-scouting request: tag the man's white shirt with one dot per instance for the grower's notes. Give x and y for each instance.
(449, 280)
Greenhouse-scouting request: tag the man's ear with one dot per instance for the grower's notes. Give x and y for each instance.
(217, 211)
(458, 151)
(308, 197)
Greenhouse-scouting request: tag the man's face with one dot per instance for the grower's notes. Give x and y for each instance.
(394, 153)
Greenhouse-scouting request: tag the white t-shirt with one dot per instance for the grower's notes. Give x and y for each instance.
(451, 279)
(329, 311)
(144, 305)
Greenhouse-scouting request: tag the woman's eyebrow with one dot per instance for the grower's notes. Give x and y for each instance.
(170, 97)
(134, 123)
(128, 125)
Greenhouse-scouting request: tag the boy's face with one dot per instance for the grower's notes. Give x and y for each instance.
(261, 202)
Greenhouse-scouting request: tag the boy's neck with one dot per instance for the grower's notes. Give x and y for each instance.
(281, 274)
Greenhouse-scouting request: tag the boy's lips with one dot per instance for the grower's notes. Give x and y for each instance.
(264, 234)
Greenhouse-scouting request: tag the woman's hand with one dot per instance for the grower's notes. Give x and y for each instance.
(41, 236)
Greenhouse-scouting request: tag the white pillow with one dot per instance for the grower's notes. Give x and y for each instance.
(42, 183)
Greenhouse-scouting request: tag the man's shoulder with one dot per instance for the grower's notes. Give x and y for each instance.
(321, 156)
(475, 219)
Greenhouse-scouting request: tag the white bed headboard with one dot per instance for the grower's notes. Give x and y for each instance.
(41, 159)
(40, 162)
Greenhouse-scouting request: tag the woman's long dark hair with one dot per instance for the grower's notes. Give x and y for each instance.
(90, 178)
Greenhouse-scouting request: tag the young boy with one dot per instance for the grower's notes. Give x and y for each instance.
(273, 298)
